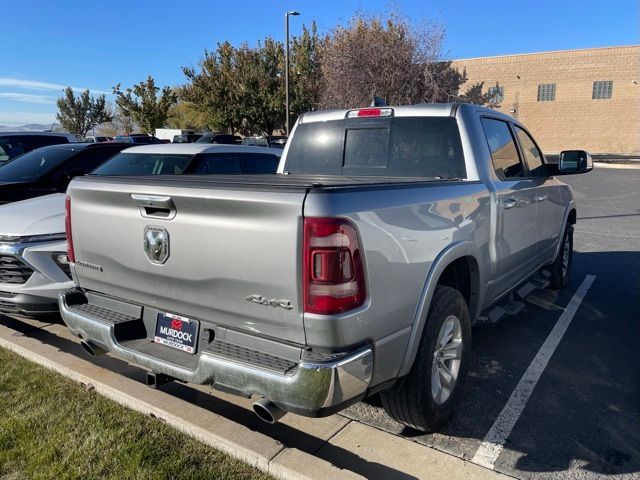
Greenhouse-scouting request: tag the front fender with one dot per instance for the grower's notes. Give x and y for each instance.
(443, 260)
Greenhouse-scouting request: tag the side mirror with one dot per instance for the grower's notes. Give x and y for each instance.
(575, 161)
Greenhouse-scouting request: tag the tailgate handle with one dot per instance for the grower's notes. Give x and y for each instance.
(156, 206)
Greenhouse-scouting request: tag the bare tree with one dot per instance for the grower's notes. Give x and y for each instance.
(390, 57)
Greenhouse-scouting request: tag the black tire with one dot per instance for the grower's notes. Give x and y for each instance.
(559, 275)
(412, 403)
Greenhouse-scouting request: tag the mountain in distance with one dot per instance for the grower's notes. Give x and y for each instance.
(35, 127)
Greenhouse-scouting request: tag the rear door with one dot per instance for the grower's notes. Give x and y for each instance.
(213, 271)
(516, 238)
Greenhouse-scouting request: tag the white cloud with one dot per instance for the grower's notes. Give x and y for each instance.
(26, 97)
(23, 118)
(35, 85)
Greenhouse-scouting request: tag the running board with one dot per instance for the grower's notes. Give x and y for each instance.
(514, 304)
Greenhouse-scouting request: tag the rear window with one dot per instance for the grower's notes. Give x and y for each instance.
(217, 163)
(235, 163)
(144, 164)
(259, 163)
(393, 147)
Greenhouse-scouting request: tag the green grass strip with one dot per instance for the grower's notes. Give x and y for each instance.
(53, 428)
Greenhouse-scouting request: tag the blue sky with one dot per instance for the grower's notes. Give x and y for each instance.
(50, 44)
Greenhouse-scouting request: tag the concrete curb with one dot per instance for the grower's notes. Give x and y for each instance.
(631, 165)
(248, 446)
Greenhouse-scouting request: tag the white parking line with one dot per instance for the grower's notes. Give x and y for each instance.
(494, 441)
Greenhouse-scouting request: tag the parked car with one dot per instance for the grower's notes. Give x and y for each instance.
(34, 267)
(191, 158)
(274, 141)
(50, 169)
(358, 270)
(167, 134)
(137, 138)
(98, 139)
(216, 137)
(14, 144)
(186, 138)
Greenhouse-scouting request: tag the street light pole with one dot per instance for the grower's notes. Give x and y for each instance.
(286, 69)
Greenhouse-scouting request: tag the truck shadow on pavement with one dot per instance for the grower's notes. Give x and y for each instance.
(583, 413)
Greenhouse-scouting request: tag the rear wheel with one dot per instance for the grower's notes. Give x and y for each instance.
(428, 395)
(561, 267)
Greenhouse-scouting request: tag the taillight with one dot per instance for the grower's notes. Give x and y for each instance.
(67, 228)
(333, 270)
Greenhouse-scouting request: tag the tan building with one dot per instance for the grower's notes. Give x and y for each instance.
(583, 99)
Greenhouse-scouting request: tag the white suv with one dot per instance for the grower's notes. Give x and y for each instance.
(33, 255)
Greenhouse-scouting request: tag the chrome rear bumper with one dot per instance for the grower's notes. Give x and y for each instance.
(311, 388)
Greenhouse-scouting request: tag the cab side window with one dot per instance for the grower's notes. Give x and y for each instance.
(531, 154)
(502, 145)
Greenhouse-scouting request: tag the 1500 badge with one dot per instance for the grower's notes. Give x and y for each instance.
(89, 265)
(270, 302)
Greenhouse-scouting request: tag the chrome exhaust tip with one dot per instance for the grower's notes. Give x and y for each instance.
(268, 411)
(92, 349)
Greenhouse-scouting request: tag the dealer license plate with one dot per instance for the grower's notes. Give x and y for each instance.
(177, 332)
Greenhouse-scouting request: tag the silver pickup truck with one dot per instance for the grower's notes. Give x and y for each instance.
(358, 269)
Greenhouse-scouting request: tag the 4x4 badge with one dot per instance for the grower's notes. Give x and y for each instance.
(270, 302)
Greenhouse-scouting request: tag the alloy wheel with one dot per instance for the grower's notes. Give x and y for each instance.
(446, 359)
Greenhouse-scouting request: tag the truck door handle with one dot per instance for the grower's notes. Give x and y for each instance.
(157, 206)
(541, 198)
(158, 201)
(510, 203)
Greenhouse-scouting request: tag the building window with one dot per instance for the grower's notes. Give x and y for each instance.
(496, 95)
(602, 90)
(547, 92)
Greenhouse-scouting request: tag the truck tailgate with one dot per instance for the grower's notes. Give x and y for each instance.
(229, 249)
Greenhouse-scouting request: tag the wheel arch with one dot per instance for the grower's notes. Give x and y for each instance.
(570, 218)
(460, 258)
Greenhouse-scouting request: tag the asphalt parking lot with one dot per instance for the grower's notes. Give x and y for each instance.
(582, 418)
